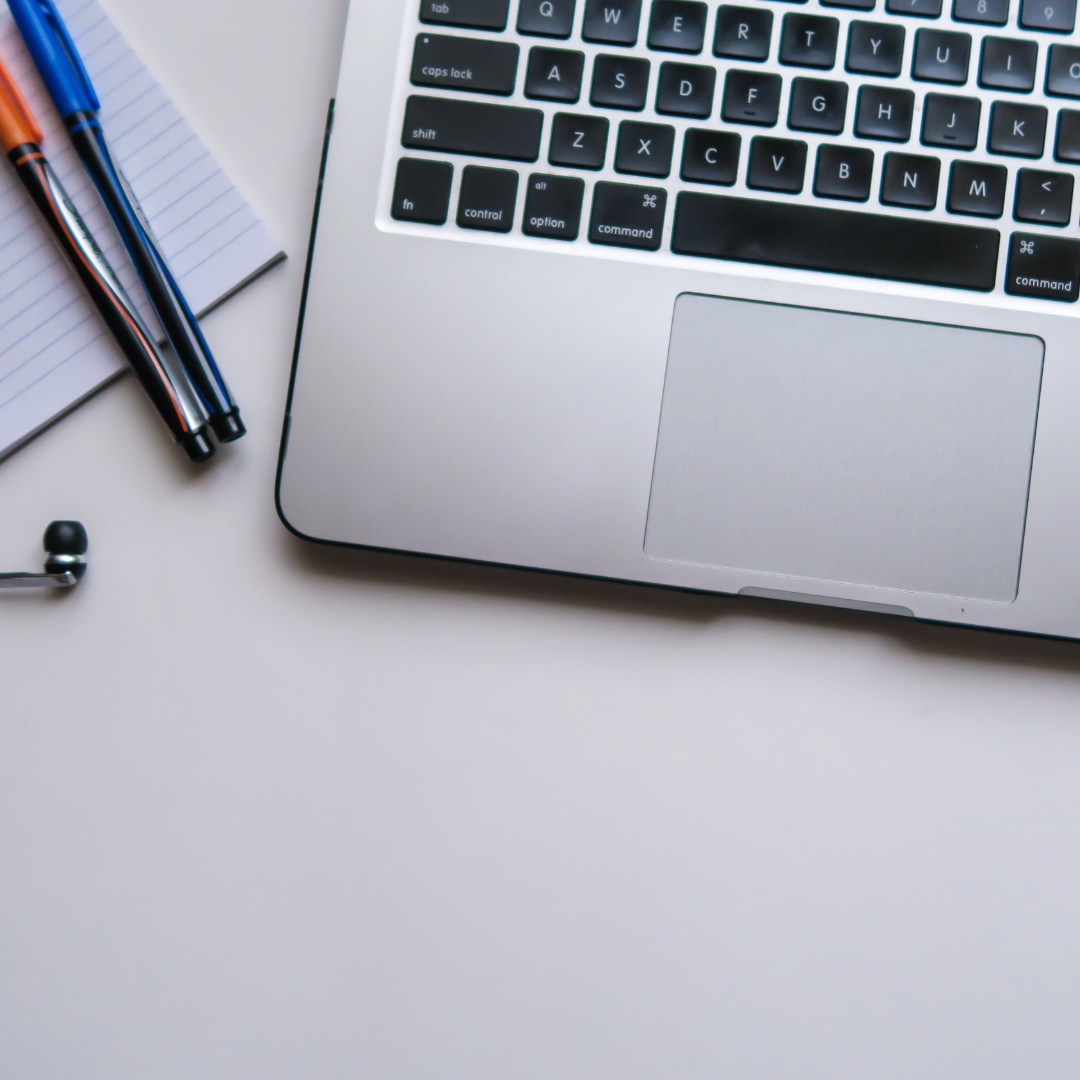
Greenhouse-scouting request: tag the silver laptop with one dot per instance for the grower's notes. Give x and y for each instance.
(761, 298)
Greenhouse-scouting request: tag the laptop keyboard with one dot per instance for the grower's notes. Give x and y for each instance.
(892, 139)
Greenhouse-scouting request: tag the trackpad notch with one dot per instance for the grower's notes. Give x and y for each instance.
(845, 448)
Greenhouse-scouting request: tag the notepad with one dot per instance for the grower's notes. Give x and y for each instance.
(54, 349)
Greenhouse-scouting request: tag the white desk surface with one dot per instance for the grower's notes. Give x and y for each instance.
(179, 737)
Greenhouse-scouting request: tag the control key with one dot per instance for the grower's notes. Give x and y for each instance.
(1046, 267)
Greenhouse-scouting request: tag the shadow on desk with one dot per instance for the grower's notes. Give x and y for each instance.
(653, 602)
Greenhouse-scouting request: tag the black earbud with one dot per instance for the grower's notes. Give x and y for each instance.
(65, 549)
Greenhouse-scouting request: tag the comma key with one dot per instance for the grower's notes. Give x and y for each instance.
(553, 206)
(1046, 267)
(624, 215)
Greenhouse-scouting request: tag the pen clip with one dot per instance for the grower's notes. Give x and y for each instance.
(18, 102)
(52, 17)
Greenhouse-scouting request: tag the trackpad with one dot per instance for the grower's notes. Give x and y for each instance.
(845, 448)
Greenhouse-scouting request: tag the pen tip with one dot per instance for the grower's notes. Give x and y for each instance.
(228, 427)
(197, 446)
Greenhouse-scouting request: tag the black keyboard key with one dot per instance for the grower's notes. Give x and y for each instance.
(620, 82)
(910, 180)
(1055, 16)
(875, 48)
(578, 142)
(835, 241)
(977, 189)
(546, 18)
(1018, 130)
(941, 56)
(844, 172)
(612, 22)
(809, 40)
(742, 33)
(628, 216)
(686, 90)
(1067, 143)
(483, 67)
(554, 74)
(487, 199)
(860, 5)
(644, 149)
(818, 105)
(923, 9)
(711, 157)
(884, 113)
(471, 14)
(553, 206)
(951, 121)
(751, 97)
(992, 12)
(1063, 71)
(1046, 267)
(678, 25)
(472, 127)
(422, 191)
(776, 164)
(1043, 198)
(1008, 64)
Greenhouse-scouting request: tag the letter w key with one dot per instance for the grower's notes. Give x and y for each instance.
(612, 22)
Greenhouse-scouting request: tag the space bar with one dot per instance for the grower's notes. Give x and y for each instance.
(836, 241)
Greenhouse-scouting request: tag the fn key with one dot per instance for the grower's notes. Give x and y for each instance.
(422, 191)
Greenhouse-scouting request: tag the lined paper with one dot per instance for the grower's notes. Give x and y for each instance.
(54, 349)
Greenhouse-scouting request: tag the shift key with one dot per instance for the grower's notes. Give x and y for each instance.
(625, 215)
(472, 127)
(484, 67)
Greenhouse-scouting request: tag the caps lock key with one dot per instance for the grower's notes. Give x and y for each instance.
(484, 67)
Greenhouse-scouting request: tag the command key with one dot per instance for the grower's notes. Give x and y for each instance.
(626, 215)
(1046, 267)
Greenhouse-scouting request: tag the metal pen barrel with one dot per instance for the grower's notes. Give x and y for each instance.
(174, 399)
(177, 320)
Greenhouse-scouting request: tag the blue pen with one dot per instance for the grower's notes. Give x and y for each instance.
(72, 92)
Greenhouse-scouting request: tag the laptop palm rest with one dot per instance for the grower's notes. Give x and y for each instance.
(845, 448)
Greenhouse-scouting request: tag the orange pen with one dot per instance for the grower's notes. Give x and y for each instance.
(173, 396)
